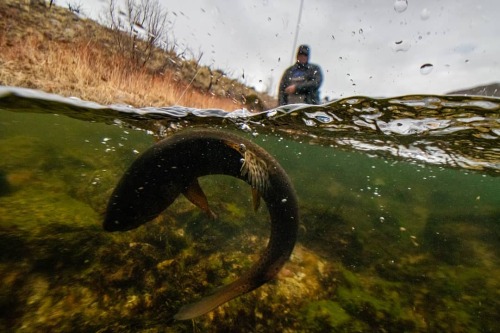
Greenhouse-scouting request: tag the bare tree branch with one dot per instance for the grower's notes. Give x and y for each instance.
(139, 29)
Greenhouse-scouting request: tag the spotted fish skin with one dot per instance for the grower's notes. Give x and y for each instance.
(172, 166)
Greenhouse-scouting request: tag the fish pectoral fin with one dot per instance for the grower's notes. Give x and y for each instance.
(256, 199)
(195, 194)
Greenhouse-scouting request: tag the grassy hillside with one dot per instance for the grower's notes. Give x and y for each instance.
(54, 50)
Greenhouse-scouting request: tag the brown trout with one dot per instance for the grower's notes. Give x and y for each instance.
(172, 166)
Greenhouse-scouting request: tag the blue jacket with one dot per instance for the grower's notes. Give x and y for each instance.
(307, 78)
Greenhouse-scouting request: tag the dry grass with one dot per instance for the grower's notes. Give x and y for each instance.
(88, 70)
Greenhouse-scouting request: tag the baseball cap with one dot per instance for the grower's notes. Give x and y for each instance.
(303, 49)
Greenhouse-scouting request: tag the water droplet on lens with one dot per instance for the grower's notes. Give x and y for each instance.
(426, 69)
(425, 14)
(400, 5)
(401, 46)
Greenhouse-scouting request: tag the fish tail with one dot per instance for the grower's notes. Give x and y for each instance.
(210, 302)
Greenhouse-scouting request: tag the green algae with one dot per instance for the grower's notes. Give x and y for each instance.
(324, 316)
(423, 267)
(5, 186)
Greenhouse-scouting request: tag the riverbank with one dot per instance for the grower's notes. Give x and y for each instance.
(58, 51)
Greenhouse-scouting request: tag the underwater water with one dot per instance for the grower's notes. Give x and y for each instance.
(399, 203)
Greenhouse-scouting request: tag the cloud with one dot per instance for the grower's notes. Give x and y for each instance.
(465, 48)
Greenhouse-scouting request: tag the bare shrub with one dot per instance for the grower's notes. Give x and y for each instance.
(74, 7)
(139, 28)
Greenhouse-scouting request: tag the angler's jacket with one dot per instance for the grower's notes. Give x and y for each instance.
(307, 78)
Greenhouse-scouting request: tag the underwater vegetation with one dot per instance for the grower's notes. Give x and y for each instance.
(378, 250)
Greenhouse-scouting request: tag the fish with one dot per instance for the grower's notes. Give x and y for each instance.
(172, 166)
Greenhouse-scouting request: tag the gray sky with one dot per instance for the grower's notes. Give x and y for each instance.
(365, 47)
